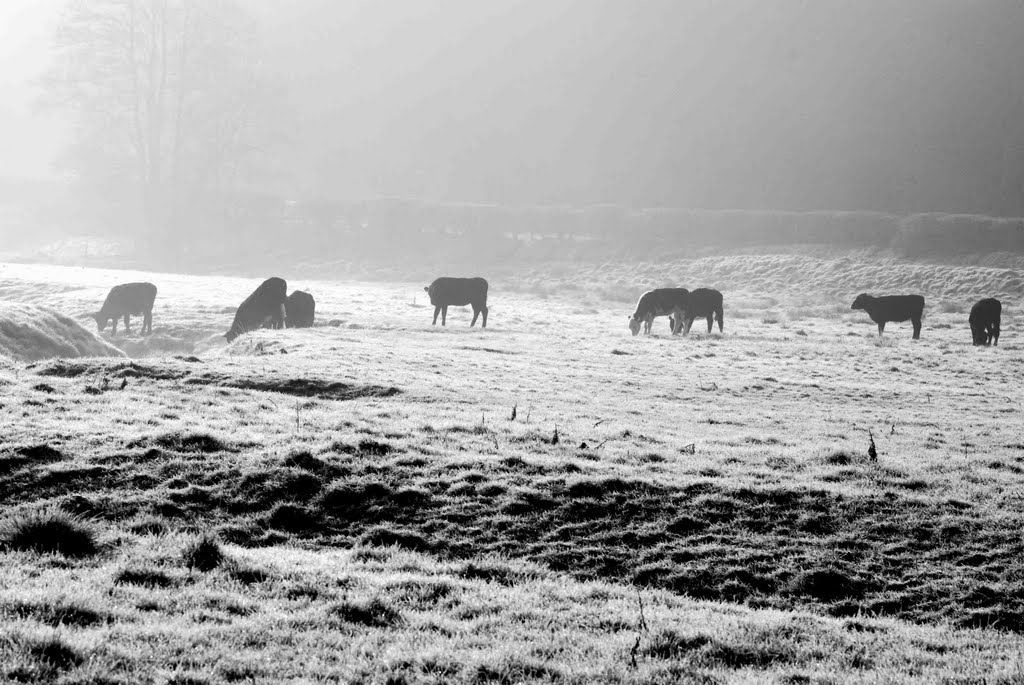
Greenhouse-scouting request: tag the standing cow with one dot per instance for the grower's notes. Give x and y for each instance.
(446, 291)
(265, 305)
(892, 308)
(123, 301)
(703, 303)
(985, 318)
(669, 302)
(301, 308)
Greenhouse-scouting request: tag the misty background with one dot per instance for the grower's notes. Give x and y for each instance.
(359, 128)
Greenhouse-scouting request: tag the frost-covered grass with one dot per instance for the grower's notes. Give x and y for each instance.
(30, 332)
(727, 477)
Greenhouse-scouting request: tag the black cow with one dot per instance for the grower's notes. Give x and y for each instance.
(985, 318)
(265, 305)
(703, 303)
(300, 308)
(892, 308)
(125, 300)
(659, 302)
(446, 291)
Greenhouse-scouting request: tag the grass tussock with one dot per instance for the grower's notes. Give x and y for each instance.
(55, 613)
(203, 554)
(49, 531)
(372, 613)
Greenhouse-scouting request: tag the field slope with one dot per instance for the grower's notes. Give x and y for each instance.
(381, 499)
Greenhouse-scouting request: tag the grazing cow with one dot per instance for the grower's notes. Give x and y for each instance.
(265, 305)
(659, 302)
(892, 308)
(985, 318)
(300, 309)
(125, 300)
(446, 291)
(702, 303)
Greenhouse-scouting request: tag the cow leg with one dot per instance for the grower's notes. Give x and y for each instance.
(881, 327)
(711, 322)
(995, 335)
(689, 324)
(113, 330)
(476, 313)
(127, 327)
(444, 314)
(484, 311)
(437, 310)
(917, 328)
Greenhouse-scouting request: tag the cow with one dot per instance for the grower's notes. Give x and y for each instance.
(658, 302)
(123, 301)
(892, 308)
(985, 318)
(300, 309)
(446, 291)
(265, 305)
(702, 303)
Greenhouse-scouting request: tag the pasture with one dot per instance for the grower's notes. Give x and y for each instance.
(377, 515)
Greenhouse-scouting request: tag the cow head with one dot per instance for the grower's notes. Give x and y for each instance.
(861, 301)
(634, 325)
(231, 335)
(101, 320)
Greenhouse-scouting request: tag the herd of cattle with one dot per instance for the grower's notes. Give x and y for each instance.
(269, 306)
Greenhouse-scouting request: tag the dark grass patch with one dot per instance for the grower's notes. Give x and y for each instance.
(826, 585)
(186, 442)
(293, 518)
(66, 368)
(758, 651)
(307, 462)
(54, 654)
(516, 670)
(152, 578)
(149, 525)
(374, 448)
(299, 387)
(39, 453)
(203, 554)
(386, 537)
(374, 613)
(189, 374)
(49, 532)
(55, 613)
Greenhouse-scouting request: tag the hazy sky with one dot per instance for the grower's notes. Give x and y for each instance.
(28, 140)
(899, 105)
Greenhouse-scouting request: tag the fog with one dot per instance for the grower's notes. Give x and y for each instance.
(896, 106)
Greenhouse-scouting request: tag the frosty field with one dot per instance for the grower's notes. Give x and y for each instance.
(383, 518)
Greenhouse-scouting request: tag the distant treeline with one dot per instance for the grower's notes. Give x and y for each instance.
(402, 227)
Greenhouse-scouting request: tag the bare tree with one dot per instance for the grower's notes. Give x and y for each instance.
(167, 99)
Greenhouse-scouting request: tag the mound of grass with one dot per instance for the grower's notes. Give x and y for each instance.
(50, 532)
(30, 333)
(141, 576)
(187, 442)
(293, 518)
(203, 554)
(55, 654)
(382, 536)
(374, 613)
(55, 613)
